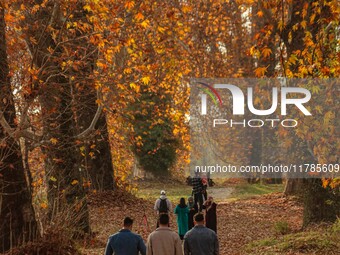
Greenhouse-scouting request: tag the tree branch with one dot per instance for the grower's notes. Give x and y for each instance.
(95, 119)
(17, 133)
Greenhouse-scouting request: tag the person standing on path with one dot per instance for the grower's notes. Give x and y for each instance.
(182, 212)
(125, 242)
(197, 189)
(200, 240)
(210, 214)
(164, 241)
(163, 204)
(193, 209)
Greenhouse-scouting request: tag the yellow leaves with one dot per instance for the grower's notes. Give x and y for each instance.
(266, 52)
(186, 9)
(52, 178)
(335, 183)
(161, 29)
(87, 8)
(54, 141)
(33, 40)
(318, 109)
(176, 131)
(260, 14)
(146, 80)
(139, 16)
(303, 71)
(315, 89)
(101, 65)
(135, 87)
(260, 71)
(312, 18)
(280, 25)
(328, 117)
(43, 205)
(74, 182)
(129, 5)
(9, 18)
(127, 71)
(145, 23)
(292, 59)
(303, 24)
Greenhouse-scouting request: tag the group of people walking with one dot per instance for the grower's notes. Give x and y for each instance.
(197, 232)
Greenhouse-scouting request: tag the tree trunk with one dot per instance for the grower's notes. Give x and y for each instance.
(65, 186)
(96, 151)
(17, 218)
(320, 204)
(293, 186)
(67, 203)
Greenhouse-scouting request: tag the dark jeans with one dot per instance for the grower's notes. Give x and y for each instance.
(198, 198)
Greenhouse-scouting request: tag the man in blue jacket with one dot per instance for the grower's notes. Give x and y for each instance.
(124, 242)
(200, 240)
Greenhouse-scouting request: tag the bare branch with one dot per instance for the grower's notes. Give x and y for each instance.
(17, 133)
(95, 119)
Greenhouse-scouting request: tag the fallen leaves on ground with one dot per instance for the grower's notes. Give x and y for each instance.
(239, 222)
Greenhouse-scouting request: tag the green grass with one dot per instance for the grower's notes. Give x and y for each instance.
(244, 191)
(320, 240)
(174, 190)
(150, 190)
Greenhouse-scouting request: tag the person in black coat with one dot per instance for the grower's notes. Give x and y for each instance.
(210, 214)
(193, 209)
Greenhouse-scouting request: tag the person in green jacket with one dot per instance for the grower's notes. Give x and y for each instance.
(182, 212)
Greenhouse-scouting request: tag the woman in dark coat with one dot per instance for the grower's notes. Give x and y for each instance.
(193, 209)
(210, 214)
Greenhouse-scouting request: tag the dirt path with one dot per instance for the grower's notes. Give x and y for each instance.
(220, 194)
(239, 222)
(244, 221)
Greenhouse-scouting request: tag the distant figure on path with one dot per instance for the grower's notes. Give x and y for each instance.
(210, 214)
(164, 241)
(193, 209)
(163, 204)
(197, 189)
(182, 212)
(125, 242)
(205, 187)
(200, 240)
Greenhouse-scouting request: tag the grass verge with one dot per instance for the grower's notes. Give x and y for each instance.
(317, 240)
(245, 191)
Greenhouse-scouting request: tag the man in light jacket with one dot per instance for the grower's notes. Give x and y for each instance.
(164, 241)
(158, 204)
(200, 240)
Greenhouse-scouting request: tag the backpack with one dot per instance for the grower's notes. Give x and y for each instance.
(163, 206)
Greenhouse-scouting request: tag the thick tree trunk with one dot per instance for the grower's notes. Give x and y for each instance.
(96, 151)
(96, 156)
(320, 204)
(293, 186)
(17, 218)
(66, 196)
